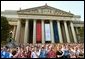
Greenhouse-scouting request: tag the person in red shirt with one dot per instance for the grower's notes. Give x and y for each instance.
(28, 52)
(20, 53)
(51, 53)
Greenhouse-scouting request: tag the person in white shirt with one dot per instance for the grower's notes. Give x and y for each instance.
(35, 53)
(48, 47)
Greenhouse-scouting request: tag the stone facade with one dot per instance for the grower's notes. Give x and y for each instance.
(66, 23)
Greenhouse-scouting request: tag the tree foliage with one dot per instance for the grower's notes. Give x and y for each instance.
(4, 28)
(81, 31)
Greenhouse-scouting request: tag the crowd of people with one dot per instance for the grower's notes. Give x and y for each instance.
(67, 50)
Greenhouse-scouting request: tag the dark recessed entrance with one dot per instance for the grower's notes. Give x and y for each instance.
(30, 31)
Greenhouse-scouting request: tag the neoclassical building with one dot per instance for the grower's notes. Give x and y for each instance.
(44, 24)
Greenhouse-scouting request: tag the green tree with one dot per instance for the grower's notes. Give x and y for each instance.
(81, 30)
(81, 34)
(4, 29)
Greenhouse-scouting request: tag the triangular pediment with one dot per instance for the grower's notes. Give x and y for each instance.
(45, 10)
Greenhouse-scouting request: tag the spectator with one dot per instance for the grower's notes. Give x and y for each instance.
(5, 53)
(66, 53)
(33, 53)
(43, 53)
(51, 53)
(72, 50)
(28, 52)
(59, 52)
(14, 53)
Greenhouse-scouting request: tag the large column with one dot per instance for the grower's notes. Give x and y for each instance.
(52, 33)
(59, 32)
(43, 40)
(13, 36)
(18, 31)
(26, 31)
(66, 30)
(73, 32)
(34, 31)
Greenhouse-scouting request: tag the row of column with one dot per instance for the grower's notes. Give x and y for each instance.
(52, 32)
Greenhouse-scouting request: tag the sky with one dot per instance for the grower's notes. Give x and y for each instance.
(75, 7)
